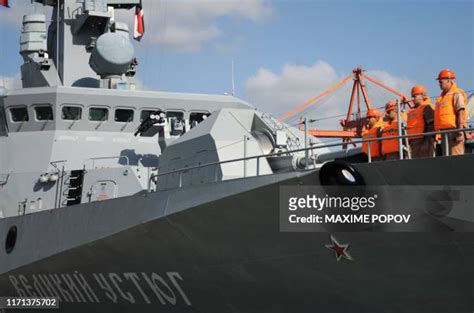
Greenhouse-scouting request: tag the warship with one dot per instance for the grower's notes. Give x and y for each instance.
(112, 198)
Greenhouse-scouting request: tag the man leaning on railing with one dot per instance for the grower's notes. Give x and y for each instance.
(450, 113)
(420, 120)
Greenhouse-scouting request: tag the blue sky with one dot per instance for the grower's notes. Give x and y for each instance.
(403, 38)
(404, 42)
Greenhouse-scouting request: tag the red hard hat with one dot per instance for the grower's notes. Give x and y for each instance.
(446, 74)
(390, 106)
(372, 113)
(418, 90)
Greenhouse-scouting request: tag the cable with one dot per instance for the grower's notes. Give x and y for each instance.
(311, 108)
(362, 111)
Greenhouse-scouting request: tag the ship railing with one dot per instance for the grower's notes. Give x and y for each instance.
(154, 178)
(444, 138)
(4, 179)
(55, 164)
(119, 157)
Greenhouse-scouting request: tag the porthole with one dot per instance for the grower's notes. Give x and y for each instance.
(10, 241)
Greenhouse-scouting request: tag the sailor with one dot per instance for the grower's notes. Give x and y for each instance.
(390, 147)
(420, 120)
(372, 131)
(450, 112)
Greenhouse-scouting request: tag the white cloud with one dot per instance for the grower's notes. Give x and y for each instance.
(179, 25)
(185, 25)
(140, 85)
(11, 82)
(12, 17)
(229, 46)
(278, 93)
(186, 39)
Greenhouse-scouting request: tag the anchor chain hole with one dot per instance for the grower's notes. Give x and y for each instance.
(11, 239)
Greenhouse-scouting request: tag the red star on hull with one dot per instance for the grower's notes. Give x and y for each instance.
(340, 250)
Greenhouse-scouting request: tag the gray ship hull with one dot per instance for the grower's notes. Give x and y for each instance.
(227, 253)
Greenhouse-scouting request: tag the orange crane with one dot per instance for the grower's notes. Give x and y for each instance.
(351, 127)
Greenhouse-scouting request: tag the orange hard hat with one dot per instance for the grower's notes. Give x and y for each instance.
(373, 113)
(418, 90)
(390, 106)
(446, 74)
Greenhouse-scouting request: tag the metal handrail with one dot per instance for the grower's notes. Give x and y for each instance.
(108, 158)
(4, 182)
(309, 149)
(53, 163)
(454, 130)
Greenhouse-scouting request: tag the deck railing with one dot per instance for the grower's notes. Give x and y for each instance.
(444, 134)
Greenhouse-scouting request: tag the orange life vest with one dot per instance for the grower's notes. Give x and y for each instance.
(415, 119)
(374, 145)
(390, 145)
(445, 114)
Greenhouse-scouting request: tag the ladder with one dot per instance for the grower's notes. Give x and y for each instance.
(73, 188)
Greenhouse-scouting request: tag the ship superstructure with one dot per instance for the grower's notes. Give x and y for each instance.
(67, 137)
(114, 199)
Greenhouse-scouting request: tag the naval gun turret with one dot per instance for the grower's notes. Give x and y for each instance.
(83, 46)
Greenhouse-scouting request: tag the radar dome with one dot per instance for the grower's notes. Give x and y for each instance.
(112, 54)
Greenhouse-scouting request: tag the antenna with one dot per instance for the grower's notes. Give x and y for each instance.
(57, 45)
(233, 82)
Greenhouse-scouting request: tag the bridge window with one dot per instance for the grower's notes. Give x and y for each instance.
(70, 113)
(197, 117)
(144, 114)
(175, 114)
(44, 113)
(19, 114)
(98, 114)
(176, 120)
(124, 115)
